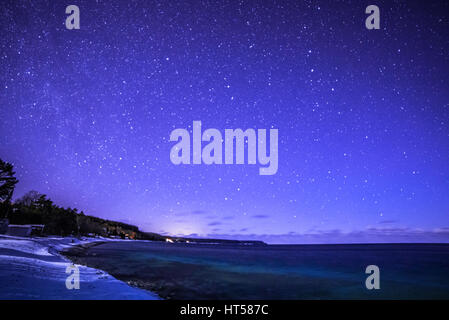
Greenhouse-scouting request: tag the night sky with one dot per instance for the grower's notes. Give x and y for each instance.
(363, 115)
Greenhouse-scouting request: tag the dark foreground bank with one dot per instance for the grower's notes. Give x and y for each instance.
(201, 271)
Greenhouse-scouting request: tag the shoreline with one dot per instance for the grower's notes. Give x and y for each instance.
(77, 254)
(35, 269)
(79, 248)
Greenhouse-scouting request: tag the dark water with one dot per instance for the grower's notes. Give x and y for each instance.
(192, 271)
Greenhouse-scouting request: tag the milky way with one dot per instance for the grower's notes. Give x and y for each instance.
(363, 115)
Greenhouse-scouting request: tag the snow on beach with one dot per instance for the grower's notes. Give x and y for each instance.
(31, 268)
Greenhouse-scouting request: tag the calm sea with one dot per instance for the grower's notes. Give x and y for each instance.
(201, 271)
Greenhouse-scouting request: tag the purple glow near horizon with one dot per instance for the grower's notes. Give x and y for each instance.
(362, 115)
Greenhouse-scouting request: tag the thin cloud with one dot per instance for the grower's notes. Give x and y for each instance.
(388, 221)
(260, 216)
(198, 212)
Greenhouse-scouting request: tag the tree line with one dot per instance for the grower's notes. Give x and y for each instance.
(36, 208)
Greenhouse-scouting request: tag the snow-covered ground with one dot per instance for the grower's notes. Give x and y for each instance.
(31, 268)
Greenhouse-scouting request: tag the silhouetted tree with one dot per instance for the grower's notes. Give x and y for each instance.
(29, 198)
(7, 185)
(7, 181)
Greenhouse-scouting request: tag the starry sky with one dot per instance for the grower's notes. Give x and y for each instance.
(363, 115)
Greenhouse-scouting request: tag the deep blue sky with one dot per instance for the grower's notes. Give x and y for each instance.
(86, 115)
